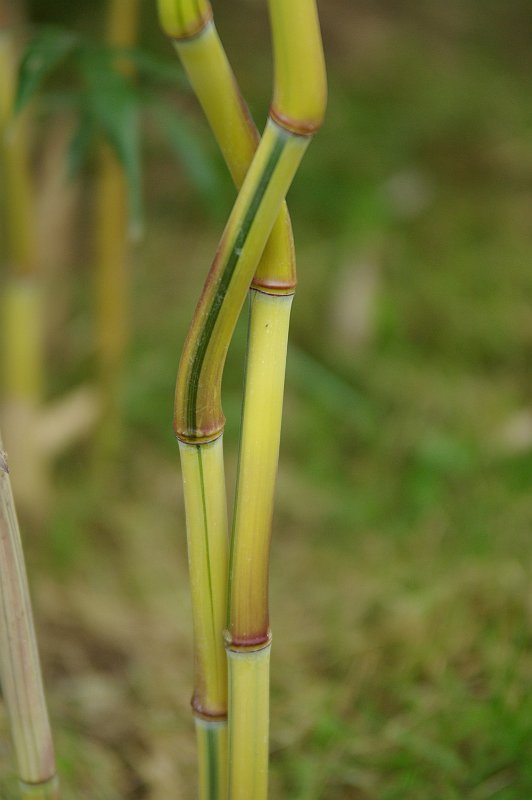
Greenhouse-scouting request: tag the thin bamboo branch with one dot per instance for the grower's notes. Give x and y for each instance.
(20, 672)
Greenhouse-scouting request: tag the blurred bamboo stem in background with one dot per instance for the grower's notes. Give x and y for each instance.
(22, 294)
(112, 248)
(198, 386)
(20, 672)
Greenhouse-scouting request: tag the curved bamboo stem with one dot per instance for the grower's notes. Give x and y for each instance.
(198, 418)
(20, 672)
(214, 83)
(198, 411)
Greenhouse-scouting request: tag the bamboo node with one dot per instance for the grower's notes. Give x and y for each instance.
(265, 286)
(299, 127)
(189, 435)
(46, 790)
(193, 32)
(201, 712)
(241, 644)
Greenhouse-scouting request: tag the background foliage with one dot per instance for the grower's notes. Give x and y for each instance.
(401, 601)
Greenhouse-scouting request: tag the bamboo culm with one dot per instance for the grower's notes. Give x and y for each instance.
(20, 672)
(198, 416)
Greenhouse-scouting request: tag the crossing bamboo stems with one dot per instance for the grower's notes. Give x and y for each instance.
(211, 76)
(203, 57)
(112, 245)
(20, 672)
(198, 415)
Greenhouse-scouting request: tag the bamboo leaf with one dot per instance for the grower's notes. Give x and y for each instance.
(112, 103)
(80, 143)
(155, 69)
(188, 150)
(42, 56)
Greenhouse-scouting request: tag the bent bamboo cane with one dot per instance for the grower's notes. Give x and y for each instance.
(204, 59)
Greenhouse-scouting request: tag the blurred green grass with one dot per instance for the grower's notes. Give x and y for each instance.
(401, 600)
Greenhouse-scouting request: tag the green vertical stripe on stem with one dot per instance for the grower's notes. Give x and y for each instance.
(212, 749)
(232, 261)
(238, 466)
(206, 534)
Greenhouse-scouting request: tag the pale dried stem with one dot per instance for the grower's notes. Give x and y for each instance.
(20, 671)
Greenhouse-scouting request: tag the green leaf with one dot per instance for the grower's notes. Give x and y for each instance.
(80, 143)
(187, 149)
(43, 54)
(153, 68)
(112, 105)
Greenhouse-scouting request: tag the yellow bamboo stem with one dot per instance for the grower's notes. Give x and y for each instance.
(248, 631)
(248, 622)
(111, 242)
(249, 712)
(206, 514)
(198, 411)
(297, 110)
(22, 373)
(214, 83)
(207, 540)
(20, 249)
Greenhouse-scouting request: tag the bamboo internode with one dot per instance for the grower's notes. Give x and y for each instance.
(248, 621)
(206, 513)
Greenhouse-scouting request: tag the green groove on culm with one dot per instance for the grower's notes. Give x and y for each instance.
(214, 779)
(225, 279)
(206, 535)
(238, 466)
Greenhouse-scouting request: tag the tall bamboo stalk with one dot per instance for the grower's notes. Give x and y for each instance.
(210, 74)
(112, 245)
(22, 296)
(298, 107)
(20, 673)
(248, 635)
